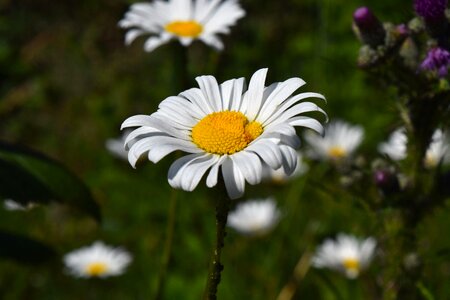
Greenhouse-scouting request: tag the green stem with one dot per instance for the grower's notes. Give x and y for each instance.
(167, 254)
(215, 268)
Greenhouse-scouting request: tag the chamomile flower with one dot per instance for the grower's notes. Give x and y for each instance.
(346, 254)
(185, 20)
(223, 126)
(97, 260)
(438, 150)
(340, 141)
(395, 147)
(254, 217)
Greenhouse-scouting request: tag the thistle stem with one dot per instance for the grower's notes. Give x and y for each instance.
(215, 267)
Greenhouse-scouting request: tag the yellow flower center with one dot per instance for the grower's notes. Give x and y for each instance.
(96, 268)
(336, 152)
(351, 264)
(185, 28)
(225, 132)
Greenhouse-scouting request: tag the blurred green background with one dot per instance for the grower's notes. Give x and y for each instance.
(67, 84)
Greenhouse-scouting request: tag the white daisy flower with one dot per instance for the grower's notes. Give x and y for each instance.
(10, 204)
(340, 141)
(254, 217)
(185, 20)
(438, 151)
(280, 176)
(97, 260)
(346, 254)
(395, 147)
(115, 146)
(223, 126)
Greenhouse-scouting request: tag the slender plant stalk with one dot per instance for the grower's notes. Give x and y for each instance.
(300, 270)
(167, 254)
(215, 267)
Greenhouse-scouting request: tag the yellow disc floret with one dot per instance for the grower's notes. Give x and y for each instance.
(96, 269)
(185, 28)
(337, 152)
(351, 264)
(225, 132)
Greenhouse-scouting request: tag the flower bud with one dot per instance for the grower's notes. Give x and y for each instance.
(370, 29)
(386, 181)
(438, 60)
(433, 13)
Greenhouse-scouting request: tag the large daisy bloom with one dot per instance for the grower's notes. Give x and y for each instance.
(185, 20)
(225, 126)
(97, 260)
(254, 217)
(340, 141)
(346, 254)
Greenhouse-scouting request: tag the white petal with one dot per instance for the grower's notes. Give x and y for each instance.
(196, 96)
(254, 95)
(250, 166)
(234, 180)
(210, 88)
(131, 35)
(268, 151)
(290, 159)
(154, 42)
(211, 180)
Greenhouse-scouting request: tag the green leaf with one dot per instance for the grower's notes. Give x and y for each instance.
(424, 291)
(28, 176)
(24, 249)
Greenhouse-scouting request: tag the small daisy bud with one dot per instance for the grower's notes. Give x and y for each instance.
(370, 29)
(386, 181)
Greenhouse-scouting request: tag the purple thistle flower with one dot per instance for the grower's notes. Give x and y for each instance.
(371, 30)
(431, 10)
(438, 59)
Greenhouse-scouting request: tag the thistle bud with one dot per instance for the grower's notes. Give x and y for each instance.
(370, 29)
(387, 182)
(433, 13)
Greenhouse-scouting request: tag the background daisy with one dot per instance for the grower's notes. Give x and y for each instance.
(254, 217)
(97, 260)
(339, 142)
(346, 254)
(184, 20)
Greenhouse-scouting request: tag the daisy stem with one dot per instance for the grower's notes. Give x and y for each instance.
(215, 268)
(181, 77)
(167, 254)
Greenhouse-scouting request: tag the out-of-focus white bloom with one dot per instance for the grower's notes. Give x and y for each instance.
(116, 146)
(279, 175)
(254, 217)
(185, 20)
(97, 260)
(225, 127)
(438, 150)
(339, 142)
(395, 147)
(10, 204)
(346, 254)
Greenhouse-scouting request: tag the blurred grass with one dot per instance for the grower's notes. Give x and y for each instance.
(68, 83)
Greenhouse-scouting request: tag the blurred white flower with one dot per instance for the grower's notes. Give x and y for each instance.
(254, 217)
(280, 176)
(97, 260)
(116, 146)
(438, 150)
(395, 147)
(346, 254)
(11, 205)
(185, 20)
(339, 142)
